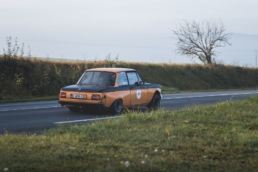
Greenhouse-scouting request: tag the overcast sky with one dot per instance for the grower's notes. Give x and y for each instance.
(135, 30)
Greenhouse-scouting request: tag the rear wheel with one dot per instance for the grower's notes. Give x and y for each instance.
(155, 102)
(117, 106)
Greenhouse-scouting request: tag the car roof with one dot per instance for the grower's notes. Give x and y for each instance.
(111, 69)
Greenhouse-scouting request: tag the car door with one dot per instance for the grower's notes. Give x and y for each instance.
(124, 89)
(138, 90)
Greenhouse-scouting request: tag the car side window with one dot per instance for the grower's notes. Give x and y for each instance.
(132, 77)
(122, 79)
(139, 78)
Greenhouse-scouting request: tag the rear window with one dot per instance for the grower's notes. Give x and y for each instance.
(97, 78)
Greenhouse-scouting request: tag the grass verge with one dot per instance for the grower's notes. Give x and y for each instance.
(221, 137)
(12, 99)
(169, 90)
(165, 90)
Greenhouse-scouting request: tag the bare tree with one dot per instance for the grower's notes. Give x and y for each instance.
(197, 40)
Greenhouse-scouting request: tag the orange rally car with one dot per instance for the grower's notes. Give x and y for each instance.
(110, 88)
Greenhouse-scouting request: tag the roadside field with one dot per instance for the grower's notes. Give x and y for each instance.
(220, 137)
(13, 99)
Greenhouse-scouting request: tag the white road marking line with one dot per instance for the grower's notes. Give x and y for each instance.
(86, 120)
(163, 98)
(214, 95)
(4, 110)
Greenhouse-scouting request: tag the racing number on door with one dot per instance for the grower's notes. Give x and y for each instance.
(138, 94)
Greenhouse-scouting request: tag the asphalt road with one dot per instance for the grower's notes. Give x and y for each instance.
(35, 117)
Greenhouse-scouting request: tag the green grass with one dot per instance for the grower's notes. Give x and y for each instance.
(165, 90)
(13, 99)
(169, 90)
(220, 137)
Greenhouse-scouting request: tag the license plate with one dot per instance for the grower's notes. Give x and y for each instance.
(78, 96)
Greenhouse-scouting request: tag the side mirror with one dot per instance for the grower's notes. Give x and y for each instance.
(138, 83)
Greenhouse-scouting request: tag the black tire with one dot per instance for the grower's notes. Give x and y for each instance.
(73, 109)
(155, 102)
(117, 106)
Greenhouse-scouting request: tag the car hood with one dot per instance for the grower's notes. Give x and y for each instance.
(87, 88)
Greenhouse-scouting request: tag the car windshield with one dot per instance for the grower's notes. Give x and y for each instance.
(97, 78)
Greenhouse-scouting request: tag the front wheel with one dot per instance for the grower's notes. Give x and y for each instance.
(155, 102)
(117, 106)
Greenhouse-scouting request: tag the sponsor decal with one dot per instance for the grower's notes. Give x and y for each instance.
(138, 94)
